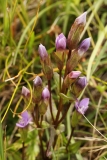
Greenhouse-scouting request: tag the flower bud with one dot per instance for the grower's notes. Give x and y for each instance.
(45, 61)
(71, 77)
(85, 44)
(44, 101)
(72, 61)
(45, 94)
(75, 31)
(43, 52)
(60, 57)
(25, 92)
(79, 85)
(81, 19)
(37, 81)
(38, 87)
(82, 106)
(60, 42)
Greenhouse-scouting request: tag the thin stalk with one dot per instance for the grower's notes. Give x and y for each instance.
(41, 120)
(72, 131)
(23, 151)
(59, 111)
(41, 146)
(64, 115)
(50, 99)
(36, 116)
(95, 128)
(60, 74)
(66, 72)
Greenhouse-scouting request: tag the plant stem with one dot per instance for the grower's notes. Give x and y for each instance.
(72, 131)
(64, 115)
(60, 74)
(23, 151)
(41, 146)
(41, 120)
(66, 71)
(50, 99)
(36, 116)
(59, 111)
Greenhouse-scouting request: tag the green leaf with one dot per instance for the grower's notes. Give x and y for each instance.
(65, 97)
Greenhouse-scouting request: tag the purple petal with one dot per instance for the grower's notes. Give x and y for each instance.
(82, 81)
(45, 93)
(37, 81)
(82, 18)
(74, 74)
(25, 91)
(25, 115)
(82, 106)
(60, 42)
(84, 46)
(42, 52)
(25, 120)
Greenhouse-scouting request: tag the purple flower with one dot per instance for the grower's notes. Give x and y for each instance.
(82, 106)
(25, 92)
(85, 44)
(82, 81)
(45, 94)
(42, 52)
(74, 74)
(25, 120)
(37, 81)
(60, 42)
(81, 18)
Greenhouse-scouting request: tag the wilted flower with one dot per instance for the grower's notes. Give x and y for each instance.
(60, 42)
(82, 106)
(42, 52)
(25, 120)
(25, 92)
(45, 94)
(85, 44)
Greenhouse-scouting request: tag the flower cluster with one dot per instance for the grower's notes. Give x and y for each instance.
(68, 53)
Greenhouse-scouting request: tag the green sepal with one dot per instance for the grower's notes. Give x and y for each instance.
(23, 133)
(75, 119)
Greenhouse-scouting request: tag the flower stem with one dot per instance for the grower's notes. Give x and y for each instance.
(50, 99)
(23, 151)
(72, 131)
(60, 74)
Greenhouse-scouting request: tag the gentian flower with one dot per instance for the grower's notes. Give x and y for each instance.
(37, 81)
(60, 42)
(82, 82)
(71, 77)
(25, 92)
(85, 44)
(74, 74)
(45, 94)
(82, 106)
(25, 120)
(42, 52)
